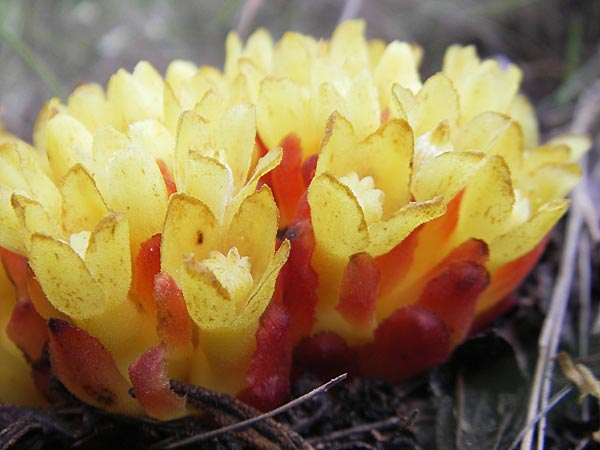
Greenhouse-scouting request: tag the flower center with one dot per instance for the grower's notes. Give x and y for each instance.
(233, 272)
(369, 198)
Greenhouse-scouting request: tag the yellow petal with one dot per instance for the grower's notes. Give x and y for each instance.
(386, 155)
(212, 309)
(83, 206)
(338, 141)
(11, 235)
(355, 98)
(68, 142)
(33, 218)
(179, 72)
(398, 64)
(386, 234)
(20, 172)
(551, 182)
(362, 105)
(153, 138)
(263, 166)
(107, 143)
(136, 96)
(482, 85)
(108, 257)
(460, 61)
(88, 104)
(209, 304)
(404, 104)
(233, 51)
(546, 155)
(523, 112)
(189, 228)
(253, 229)
(39, 185)
(487, 202)
(252, 76)
(276, 116)
(445, 175)
(11, 174)
(337, 218)
(259, 48)
(66, 281)
(376, 49)
(193, 133)
(294, 56)
(577, 143)
(493, 133)
(237, 133)
(130, 173)
(211, 107)
(263, 290)
(520, 240)
(481, 92)
(172, 109)
(207, 79)
(437, 102)
(208, 180)
(50, 109)
(348, 42)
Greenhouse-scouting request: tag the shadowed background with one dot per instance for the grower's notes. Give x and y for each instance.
(48, 46)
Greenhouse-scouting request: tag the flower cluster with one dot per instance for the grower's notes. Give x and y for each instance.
(315, 204)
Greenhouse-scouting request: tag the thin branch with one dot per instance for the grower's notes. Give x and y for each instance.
(249, 422)
(554, 322)
(247, 16)
(351, 10)
(391, 422)
(586, 111)
(553, 402)
(585, 304)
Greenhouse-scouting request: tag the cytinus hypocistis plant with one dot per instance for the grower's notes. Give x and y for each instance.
(314, 204)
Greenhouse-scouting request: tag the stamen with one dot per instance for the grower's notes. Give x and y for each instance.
(233, 272)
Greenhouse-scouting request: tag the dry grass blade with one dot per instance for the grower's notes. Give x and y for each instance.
(531, 424)
(585, 304)
(550, 335)
(586, 112)
(392, 422)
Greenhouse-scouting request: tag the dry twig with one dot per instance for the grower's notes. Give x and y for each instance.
(586, 112)
(235, 417)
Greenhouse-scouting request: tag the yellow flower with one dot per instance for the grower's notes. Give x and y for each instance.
(314, 196)
(227, 273)
(106, 176)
